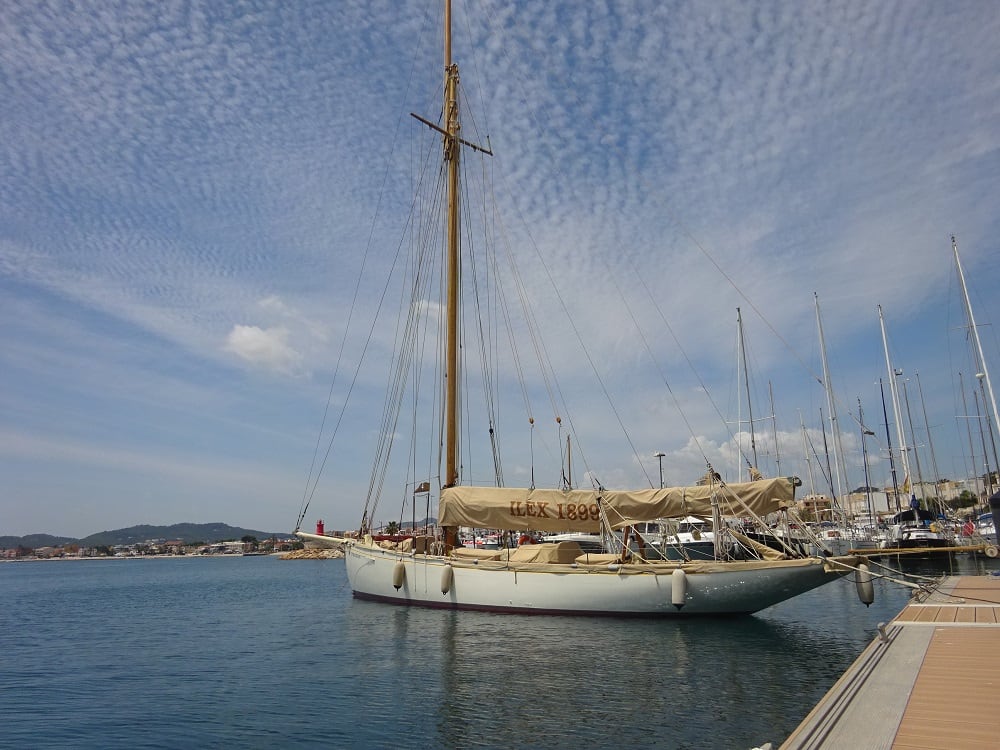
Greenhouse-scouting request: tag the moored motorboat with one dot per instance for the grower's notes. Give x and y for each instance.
(915, 528)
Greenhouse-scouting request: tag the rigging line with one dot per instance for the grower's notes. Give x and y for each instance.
(436, 394)
(420, 343)
(515, 351)
(531, 436)
(532, 327)
(547, 372)
(396, 397)
(477, 295)
(437, 359)
(663, 375)
(361, 358)
(690, 363)
(672, 217)
(398, 364)
(406, 341)
(493, 302)
(497, 24)
(955, 370)
(819, 463)
(534, 331)
(489, 386)
(552, 387)
(746, 378)
(742, 294)
(509, 326)
(492, 21)
(392, 409)
(470, 112)
(307, 494)
(753, 386)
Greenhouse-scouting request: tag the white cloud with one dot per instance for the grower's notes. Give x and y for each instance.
(267, 347)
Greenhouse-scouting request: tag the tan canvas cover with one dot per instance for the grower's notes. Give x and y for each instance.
(580, 510)
(519, 509)
(548, 552)
(471, 553)
(743, 499)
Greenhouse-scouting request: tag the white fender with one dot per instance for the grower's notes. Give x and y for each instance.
(991, 551)
(447, 577)
(678, 588)
(863, 581)
(398, 576)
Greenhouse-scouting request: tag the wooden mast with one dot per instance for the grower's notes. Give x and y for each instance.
(451, 151)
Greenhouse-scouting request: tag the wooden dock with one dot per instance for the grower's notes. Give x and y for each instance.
(989, 550)
(930, 680)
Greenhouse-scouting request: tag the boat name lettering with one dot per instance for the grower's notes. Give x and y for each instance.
(529, 508)
(564, 511)
(579, 511)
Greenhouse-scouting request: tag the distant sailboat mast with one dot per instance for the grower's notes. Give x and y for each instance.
(774, 431)
(930, 441)
(746, 382)
(987, 473)
(808, 456)
(896, 410)
(865, 432)
(968, 417)
(981, 371)
(913, 437)
(838, 450)
(888, 440)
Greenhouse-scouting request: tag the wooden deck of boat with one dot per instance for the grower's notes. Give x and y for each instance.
(931, 680)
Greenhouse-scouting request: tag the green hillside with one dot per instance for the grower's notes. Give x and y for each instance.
(185, 532)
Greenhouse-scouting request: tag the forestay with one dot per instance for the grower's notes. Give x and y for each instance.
(581, 510)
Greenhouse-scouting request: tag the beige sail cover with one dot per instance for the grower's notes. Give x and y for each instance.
(580, 510)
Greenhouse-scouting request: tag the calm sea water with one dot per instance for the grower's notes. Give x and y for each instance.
(258, 652)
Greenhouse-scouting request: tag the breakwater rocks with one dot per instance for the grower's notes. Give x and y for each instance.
(313, 554)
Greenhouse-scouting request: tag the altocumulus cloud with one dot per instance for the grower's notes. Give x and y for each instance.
(267, 347)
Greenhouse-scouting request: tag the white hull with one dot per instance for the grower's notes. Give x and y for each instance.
(543, 588)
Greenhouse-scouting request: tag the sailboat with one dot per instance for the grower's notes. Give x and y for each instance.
(841, 534)
(913, 527)
(988, 526)
(435, 570)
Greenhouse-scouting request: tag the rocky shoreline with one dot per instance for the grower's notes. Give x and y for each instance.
(313, 554)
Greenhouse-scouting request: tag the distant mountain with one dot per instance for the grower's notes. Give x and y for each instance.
(186, 532)
(33, 541)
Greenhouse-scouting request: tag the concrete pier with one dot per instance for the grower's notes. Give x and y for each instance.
(931, 680)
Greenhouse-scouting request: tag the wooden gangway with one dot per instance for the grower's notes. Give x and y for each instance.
(929, 681)
(924, 551)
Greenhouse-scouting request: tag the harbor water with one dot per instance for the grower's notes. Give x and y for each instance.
(256, 652)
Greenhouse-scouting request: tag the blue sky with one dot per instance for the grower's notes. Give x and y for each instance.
(188, 190)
